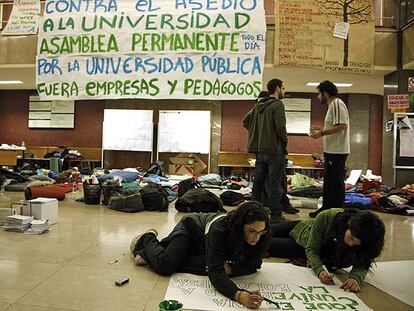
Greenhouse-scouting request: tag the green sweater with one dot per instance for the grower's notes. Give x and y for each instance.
(311, 234)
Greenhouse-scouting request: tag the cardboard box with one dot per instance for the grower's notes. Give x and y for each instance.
(180, 169)
(186, 164)
(42, 208)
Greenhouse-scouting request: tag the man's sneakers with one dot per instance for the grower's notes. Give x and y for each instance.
(290, 210)
(138, 260)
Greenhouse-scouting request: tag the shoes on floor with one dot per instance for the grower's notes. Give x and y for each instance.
(138, 260)
(275, 219)
(290, 210)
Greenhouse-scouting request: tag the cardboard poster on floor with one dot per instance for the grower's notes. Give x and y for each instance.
(395, 278)
(293, 287)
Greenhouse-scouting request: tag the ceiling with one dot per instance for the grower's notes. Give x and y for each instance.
(295, 79)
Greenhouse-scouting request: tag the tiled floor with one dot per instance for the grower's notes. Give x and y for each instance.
(74, 266)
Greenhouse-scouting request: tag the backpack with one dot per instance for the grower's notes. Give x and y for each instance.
(92, 193)
(127, 203)
(187, 184)
(232, 198)
(154, 197)
(108, 191)
(155, 169)
(199, 200)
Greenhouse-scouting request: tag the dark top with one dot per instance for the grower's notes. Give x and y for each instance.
(242, 258)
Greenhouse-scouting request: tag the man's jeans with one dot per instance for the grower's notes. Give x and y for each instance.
(269, 165)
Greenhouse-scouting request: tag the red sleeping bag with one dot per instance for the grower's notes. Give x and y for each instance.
(54, 191)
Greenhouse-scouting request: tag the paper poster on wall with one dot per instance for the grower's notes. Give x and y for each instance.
(184, 131)
(127, 129)
(63, 106)
(341, 30)
(397, 101)
(411, 84)
(39, 115)
(40, 106)
(297, 104)
(62, 120)
(51, 114)
(292, 287)
(151, 49)
(298, 122)
(406, 141)
(303, 35)
(39, 123)
(23, 19)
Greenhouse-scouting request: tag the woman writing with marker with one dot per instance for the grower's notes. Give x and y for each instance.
(218, 245)
(336, 238)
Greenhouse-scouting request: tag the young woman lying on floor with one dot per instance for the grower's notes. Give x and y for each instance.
(218, 245)
(336, 238)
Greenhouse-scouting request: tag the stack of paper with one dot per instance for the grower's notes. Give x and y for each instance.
(9, 211)
(4, 212)
(18, 223)
(38, 226)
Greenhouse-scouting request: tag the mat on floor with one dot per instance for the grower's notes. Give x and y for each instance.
(395, 278)
(293, 287)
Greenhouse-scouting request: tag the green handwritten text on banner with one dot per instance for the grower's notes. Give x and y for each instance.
(206, 49)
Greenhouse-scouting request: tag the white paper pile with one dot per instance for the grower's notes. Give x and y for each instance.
(4, 212)
(38, 226)
(18, 223)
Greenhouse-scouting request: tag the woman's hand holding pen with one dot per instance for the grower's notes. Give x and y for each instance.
(252, 300)
(326, 277)
(351, 285)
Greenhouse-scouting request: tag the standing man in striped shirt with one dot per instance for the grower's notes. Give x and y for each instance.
(336, 146)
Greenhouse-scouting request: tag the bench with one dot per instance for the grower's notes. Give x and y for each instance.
(242, 163)
(9, 157)
(92, 154)
(91, 157)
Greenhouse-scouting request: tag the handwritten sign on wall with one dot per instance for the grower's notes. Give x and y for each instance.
(190, 49)
(304, 35)
(23, 19)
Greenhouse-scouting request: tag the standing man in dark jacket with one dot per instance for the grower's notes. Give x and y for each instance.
(266, 124)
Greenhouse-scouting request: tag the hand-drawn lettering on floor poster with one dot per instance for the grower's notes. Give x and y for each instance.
(294, 288)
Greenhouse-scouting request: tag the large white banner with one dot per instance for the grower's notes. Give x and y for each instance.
(292, 287)
(190, 49)
(23, 18)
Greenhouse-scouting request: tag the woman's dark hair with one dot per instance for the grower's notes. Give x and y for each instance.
(247, 213)
(367, 227)
(370, 229)
(273, 84)
(328, 87)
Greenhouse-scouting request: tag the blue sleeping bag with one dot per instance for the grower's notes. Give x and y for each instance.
(359, 200)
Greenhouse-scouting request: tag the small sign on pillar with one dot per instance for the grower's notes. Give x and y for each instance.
(398, 102)
(411, 85)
